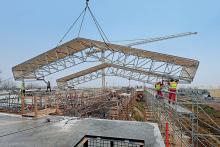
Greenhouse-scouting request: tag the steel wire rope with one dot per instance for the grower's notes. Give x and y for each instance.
(202, 121)
(101, 32)
(103, 35)
(82, 20)
(199, 136)
(70, 28)
(210, 118)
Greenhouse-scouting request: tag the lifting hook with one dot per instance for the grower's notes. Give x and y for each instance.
(87, 2)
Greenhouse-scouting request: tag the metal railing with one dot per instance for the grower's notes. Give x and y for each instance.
(184, 120)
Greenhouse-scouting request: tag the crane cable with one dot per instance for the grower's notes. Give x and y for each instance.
(80, 28)
(70, 28)
(102, 34)
(98, 26)
(82, 14)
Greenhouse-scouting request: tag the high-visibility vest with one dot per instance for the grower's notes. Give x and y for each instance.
(173, 85)
(158, 87)
(22, 86)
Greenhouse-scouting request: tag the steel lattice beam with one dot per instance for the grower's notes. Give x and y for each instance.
(82, 50)
(110, 70)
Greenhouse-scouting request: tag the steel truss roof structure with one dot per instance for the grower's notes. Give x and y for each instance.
(110, 70)
(81, 50)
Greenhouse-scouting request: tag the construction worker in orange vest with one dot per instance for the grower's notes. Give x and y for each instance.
(172, 90)
(158, 87)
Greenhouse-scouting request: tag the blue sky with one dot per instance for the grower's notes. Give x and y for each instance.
(28, 28)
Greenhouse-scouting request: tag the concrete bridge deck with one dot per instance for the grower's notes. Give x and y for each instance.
(23, 132)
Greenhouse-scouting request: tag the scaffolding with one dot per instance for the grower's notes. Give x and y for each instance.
(184, 124)
(179, 123)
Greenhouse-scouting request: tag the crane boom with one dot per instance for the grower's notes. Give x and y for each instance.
(160, 38)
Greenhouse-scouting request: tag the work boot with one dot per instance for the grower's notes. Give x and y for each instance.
(169, 102)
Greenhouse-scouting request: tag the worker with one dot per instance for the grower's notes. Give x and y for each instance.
(22, 89)
(158, 87)
(48, 86)
(172, 90)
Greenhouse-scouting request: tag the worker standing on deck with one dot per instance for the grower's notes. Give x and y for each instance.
(172, 90)
(22, 89)
(48, 86)
(158, 87)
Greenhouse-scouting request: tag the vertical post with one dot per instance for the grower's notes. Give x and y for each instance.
(167, 135)
(127, 110)
(192, 132)
(22, 103)
(35, 107)
(45, 104)
(22, 96)
(194, 123)
(9, 101)
(160, 115)
(197, 122)
(181, 129)
(103, 79)
(57, 107)
(103, 70)
(41, 102)
(111, 143)
(86, 144)
(117, 111)
(129, 82)
(32, 102)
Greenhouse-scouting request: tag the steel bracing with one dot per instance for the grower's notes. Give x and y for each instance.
(82, 50)
(110, 70)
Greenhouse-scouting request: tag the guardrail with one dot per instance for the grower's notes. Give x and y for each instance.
(183, 119)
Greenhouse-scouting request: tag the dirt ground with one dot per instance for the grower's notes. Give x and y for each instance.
(215, 106)
(215, 93)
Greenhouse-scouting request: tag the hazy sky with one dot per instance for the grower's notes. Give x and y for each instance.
(28, 28)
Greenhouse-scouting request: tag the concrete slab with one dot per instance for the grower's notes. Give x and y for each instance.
(16, 131)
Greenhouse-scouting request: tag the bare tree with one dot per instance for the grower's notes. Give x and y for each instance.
(7, 85)
(32, 86)
(0, 77)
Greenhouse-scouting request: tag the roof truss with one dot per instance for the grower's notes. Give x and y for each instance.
(82, 50)
(110, 70)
